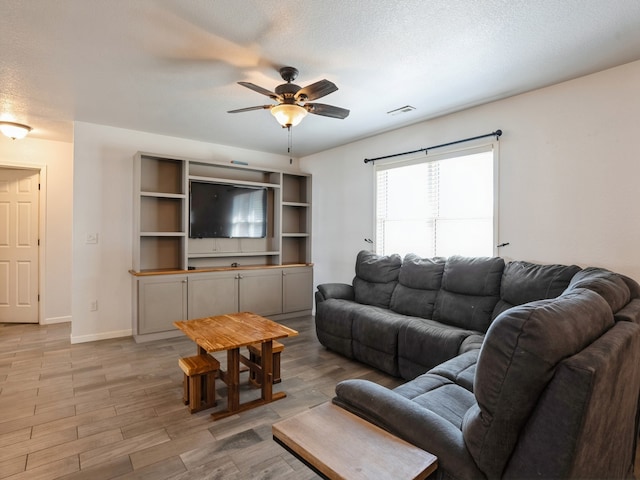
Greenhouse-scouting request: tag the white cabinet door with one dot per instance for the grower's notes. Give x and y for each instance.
(297, 286)
(212, 294)
(162, 300)
(261, 291)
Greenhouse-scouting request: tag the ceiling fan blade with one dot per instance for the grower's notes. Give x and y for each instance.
(327, 110)
(261, 90)
(248, 109)
(316, 90)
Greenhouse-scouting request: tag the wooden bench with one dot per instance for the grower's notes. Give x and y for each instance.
(339, 445)
(199, 381)
(255, 360)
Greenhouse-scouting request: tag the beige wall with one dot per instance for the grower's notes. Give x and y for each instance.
(569, 176)
(55, 159)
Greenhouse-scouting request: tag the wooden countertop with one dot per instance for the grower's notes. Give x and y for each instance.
(145, 273)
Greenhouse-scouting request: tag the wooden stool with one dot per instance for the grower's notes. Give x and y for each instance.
(199, 381)
(255, 356)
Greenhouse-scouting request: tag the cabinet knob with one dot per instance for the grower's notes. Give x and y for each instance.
(184, 281)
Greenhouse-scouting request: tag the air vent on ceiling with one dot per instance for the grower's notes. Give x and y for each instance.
(401, 110)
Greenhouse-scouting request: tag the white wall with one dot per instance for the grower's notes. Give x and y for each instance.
(103, 205)
(569, 176)
(569, 164)
(55, 160)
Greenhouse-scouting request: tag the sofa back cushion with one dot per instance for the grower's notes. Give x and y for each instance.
(519, 356)
(524, 282)
(608, 285)
(418, 285)
(376, 277)
(470, 291)
(580, 427)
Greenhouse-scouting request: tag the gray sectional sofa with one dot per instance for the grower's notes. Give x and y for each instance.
(515, 370)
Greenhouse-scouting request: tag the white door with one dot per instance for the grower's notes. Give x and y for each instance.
(19, 197)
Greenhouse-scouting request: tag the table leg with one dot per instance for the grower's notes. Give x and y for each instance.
(267, 370)
(233, 379)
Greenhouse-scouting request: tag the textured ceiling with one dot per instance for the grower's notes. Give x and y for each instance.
(171, 66)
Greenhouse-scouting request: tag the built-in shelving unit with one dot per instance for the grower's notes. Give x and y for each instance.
(160, 213)
(296, 217)
(162, 245)
(162, 216)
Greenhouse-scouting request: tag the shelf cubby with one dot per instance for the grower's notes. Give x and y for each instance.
(294, 219)
(294, 249)
(161, 175)
(161, 252)
(161, 214)
(295, 188)
(239, 174)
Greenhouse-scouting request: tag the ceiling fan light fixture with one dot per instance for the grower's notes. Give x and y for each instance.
(288, 115)
(14, 130)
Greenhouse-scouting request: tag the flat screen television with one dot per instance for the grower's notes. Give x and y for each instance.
(227, 211)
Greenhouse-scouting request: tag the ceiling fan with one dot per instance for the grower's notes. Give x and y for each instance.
(292, 100)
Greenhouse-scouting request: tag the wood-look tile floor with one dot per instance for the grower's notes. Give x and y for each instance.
(113, 409)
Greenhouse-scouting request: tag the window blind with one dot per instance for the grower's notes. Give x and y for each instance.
(439, 206)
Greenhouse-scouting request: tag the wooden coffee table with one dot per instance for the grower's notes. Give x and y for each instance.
(340, 445)
(231, 332)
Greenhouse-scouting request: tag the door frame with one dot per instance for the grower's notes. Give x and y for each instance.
(42, 212)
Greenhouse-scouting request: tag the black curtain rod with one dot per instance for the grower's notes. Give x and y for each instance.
(496, 134)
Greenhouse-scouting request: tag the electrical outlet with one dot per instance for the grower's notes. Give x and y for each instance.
(93, 306)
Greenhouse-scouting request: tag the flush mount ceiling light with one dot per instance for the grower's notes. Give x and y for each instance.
(14, 130)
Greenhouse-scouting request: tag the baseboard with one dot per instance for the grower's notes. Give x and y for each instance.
(150, 337)
(54, 320)
(100, 336)
(285, 316)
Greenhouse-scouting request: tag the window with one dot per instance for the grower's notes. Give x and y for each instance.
(441, 205)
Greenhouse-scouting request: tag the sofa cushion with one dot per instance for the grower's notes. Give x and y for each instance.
(375, 337)
(439, 395)
(608, 285)
(423, 344)
(334, 319)
(524, 282)
(470, 291)
(519, 356)
(418, 285)
(460, 370)
(376, 277)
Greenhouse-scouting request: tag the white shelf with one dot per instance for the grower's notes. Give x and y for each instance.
(163, 195)
(233, 182)
(294, 235)
(163, 234)
(231, 254)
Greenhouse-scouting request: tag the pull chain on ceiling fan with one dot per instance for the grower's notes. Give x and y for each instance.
(293, 100)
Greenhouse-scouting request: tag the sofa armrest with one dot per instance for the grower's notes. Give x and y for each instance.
(629, 313)
(341, 291)
(411, 422)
